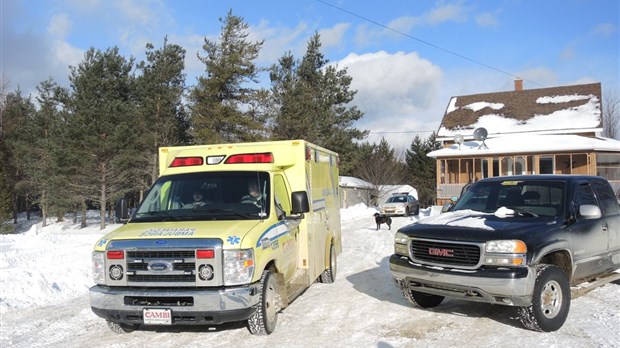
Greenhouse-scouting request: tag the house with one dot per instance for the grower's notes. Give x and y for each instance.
(355, 191)
(537, 131)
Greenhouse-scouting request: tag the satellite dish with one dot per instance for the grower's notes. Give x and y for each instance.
(481, 134)
(459, 139)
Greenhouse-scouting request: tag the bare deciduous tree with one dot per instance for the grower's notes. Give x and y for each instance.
(611, 115)
(382, 169)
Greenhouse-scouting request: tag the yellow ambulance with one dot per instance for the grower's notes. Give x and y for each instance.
(229, 232)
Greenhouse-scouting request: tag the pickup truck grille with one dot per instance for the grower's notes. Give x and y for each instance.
(445, 254)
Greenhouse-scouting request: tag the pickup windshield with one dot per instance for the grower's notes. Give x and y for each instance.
(526, 198)
(206, 196)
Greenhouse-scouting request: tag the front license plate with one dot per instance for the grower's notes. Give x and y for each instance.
(157, 316)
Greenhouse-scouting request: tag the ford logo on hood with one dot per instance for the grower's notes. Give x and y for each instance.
(159, 266)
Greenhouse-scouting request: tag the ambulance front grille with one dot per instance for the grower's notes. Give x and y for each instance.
(165, 263)
(183, 266)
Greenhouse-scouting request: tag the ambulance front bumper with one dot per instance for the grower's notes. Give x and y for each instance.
(191, 306)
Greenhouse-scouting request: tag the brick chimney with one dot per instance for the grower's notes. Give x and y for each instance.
(518, 85)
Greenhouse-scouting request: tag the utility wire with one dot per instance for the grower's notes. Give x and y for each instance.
(426, 42)
(397, 132)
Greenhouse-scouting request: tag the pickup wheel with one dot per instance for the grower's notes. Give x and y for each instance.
(120, 328)
(550, 301)
(264, 320)
(422, 300)
(329, 275)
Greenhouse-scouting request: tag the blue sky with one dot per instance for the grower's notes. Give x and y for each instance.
(407, 58)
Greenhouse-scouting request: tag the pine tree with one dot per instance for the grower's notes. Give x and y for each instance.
(161, 118)
(6, 191)
(422, 168)
(48, 152)
(17, 120)
(312, 102)
(222, 104)
(102, 107)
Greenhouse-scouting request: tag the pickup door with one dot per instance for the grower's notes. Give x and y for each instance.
(592, 237)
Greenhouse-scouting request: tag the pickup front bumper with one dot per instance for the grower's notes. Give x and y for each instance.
(506, 286)
(188, 306)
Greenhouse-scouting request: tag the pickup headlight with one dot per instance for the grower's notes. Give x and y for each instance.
(400, 244)
(98, 267)
(400, 238)
(238, 266)
(505, 253)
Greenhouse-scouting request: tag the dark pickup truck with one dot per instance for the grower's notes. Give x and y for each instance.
(519, 241)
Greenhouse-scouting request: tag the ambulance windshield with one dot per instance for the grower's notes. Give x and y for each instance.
(207, 196)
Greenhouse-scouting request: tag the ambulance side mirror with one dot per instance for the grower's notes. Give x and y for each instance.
(300, 203)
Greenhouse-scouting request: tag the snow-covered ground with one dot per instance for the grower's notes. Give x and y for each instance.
(45, 276)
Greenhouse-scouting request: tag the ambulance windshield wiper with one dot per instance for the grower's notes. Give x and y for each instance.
(225, 212)
(165, 215)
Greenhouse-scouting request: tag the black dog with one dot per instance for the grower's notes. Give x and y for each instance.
(382, 219)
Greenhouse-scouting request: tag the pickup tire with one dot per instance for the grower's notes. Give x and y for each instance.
(120, 328)
(422, 300)
(329, 275)
(264, 320)
(550, 300)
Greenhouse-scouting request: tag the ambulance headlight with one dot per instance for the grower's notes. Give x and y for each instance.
(98, 267)
(238, 266)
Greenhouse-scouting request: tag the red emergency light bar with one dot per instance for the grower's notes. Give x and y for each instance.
(187, 162)
(266, 157)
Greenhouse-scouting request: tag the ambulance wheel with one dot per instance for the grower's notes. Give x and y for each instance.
(120, 328)
(264, 320)
(329, 275)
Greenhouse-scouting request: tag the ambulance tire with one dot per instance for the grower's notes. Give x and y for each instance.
(263, 321)
(329, 275)
(120, 328)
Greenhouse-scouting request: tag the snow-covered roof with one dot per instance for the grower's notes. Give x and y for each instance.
(532, 143)
(349, 181)
(566, 109)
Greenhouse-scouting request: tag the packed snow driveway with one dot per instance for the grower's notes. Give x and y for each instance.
(45, 275)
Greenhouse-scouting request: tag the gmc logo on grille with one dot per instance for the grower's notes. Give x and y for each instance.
(441, 252)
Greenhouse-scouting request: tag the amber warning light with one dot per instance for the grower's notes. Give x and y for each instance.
(266, 157)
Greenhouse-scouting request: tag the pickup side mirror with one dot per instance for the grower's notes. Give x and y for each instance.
(447, 207)
(300, 202)
(590, 211)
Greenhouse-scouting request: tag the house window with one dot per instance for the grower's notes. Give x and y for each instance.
(453, 170)
(495, 166)
(608, 166)
(579, 163)
(545, 165)
(530, 164)
(520, 168)
(507, 166)
(563, 164)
